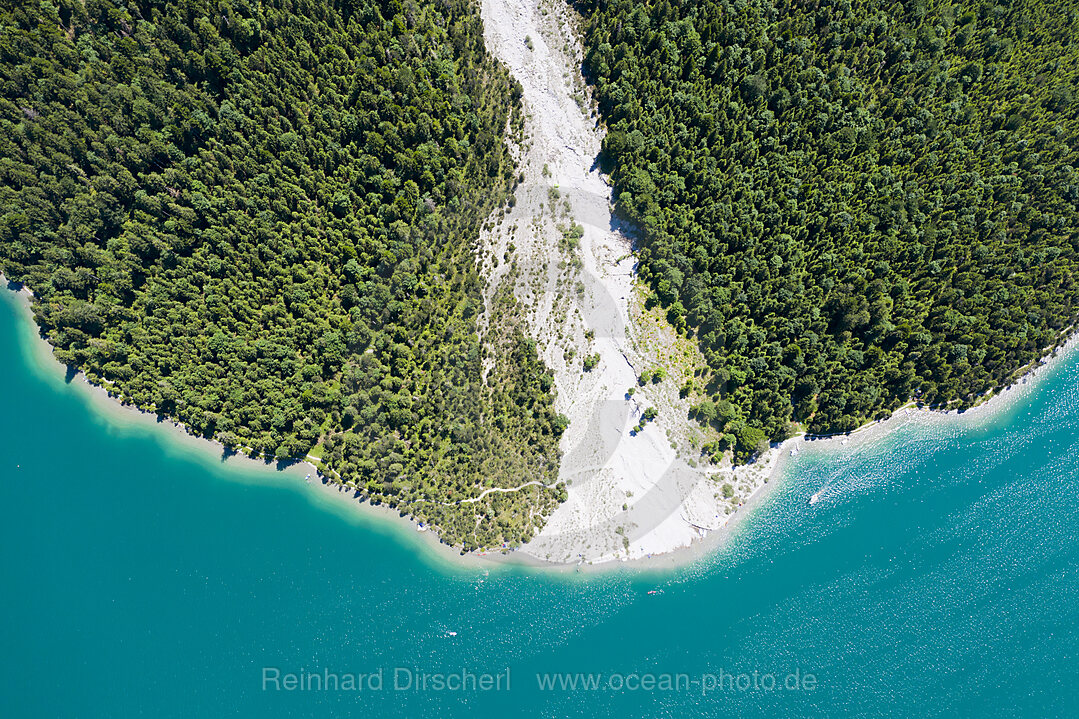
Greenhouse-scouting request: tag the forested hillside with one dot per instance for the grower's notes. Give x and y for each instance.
(258, 217)
(849, 204)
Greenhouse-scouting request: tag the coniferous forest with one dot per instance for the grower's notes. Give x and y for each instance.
(259, 217)
(850, 204)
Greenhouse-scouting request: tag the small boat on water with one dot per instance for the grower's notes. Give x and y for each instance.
(814, 499)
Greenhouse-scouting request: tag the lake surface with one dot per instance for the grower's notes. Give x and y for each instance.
(938, 575)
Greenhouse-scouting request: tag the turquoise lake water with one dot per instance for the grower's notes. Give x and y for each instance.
(939, 575)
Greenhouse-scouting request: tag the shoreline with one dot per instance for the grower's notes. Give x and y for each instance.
(633, 493)
(328, 495)
(988, 409)
(174, 439)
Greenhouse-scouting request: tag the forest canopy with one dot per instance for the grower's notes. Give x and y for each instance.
(259, 217)
(850, 204)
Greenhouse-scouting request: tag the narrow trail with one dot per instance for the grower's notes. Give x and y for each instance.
(485, 492)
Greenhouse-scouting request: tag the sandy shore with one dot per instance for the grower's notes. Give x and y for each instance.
(632, 493)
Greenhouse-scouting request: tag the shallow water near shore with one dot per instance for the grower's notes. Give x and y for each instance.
(939, 574)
